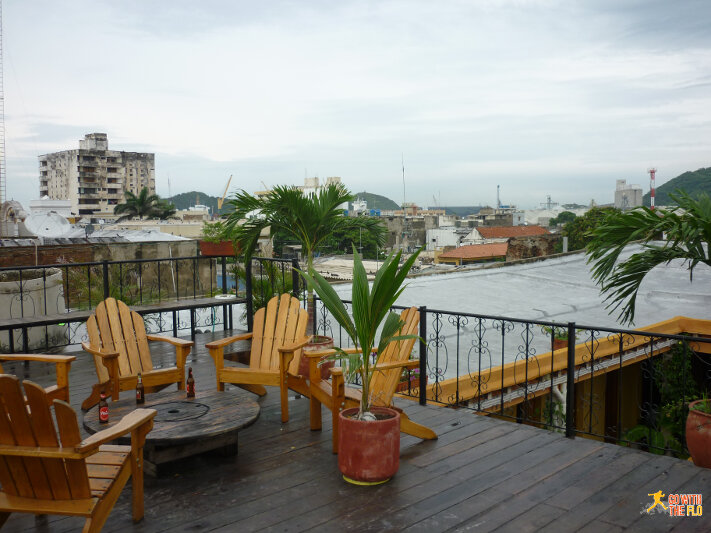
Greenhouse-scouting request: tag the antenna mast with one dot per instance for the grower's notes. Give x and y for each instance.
(652, 172)
(3, 177)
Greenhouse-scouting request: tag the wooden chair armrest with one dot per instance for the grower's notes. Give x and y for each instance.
(93, 351)
(38, 357)
(410, 363)
(227, 341)
(127, 424)
(295, 345)
(171, 340)
(330, 351)
(42, 452)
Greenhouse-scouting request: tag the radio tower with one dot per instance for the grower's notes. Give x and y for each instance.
(652, 172)
(3, 178)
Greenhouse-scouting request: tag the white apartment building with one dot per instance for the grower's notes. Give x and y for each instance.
(94, 178)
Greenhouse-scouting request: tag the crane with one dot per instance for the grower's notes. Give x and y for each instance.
(220, 201)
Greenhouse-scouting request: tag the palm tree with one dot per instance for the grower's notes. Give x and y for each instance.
(688, 233)
(143, 205)
(308, 218)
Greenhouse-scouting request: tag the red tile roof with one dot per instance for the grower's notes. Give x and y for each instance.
(478, 251)
(504, 232)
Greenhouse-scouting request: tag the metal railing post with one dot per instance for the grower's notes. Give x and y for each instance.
(248, 292)
(105, 271)
(423, 355)
(570, 393)
(224, 291)
(295, 278)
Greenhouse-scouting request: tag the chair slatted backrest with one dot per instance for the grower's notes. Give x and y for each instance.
(34, 477)
(384, 383)
(282, 321)
(114, 327)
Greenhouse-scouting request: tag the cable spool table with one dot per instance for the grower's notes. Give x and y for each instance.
(184, 426)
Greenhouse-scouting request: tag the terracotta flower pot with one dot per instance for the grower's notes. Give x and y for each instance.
(698, 435)
(318, 343)
(369, 451)
(216, 248)
(559, 344)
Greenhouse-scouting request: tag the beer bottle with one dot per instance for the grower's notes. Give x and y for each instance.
(140, 391)
(103, 410)
(190, 383)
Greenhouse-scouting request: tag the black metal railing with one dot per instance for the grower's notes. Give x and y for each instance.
(624, 386)
(46, 306)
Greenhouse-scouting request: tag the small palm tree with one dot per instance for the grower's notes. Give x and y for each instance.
(308, 218)
(143, 205)
(688, 233)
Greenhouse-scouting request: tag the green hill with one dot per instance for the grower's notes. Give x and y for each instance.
(694, 183)
(189, 199)
(375, 201)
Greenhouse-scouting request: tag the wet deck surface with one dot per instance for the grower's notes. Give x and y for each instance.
(481, 475)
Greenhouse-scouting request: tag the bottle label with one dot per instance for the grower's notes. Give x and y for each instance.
(139, 396)
(104, 413)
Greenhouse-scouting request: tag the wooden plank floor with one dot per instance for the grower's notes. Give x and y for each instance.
(481, 475)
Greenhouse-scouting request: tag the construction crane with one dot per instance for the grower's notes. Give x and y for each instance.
(220, 201)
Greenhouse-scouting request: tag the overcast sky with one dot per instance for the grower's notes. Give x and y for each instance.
(542, 97)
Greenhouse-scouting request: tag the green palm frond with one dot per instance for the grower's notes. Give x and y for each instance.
(688, 232)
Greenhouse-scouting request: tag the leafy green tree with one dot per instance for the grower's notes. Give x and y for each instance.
(688, 233)
(309, 219)
(578, 230)
(563, 218)
(144, 205)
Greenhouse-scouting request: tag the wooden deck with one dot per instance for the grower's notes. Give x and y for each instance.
(481, 475)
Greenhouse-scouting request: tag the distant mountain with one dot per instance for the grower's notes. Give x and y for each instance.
(462, 210)
(375, 201)
(692, 182)
(189, 199)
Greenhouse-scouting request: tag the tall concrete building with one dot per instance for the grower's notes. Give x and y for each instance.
(94, 178)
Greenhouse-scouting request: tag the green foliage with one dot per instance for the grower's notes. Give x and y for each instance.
(677, 386)
(688, 232)
(695, 183)
(214, 232)
(559, 333)
(144, 205)
(578, 230)
(267, 282)
(309, 219)
(562, 218)
(371, 308)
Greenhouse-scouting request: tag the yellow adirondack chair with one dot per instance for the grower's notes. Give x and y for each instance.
(43, 471)
(336, 396)
(60, 391)
(119, 343)
(278, 334)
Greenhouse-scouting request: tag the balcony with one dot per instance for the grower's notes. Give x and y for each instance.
(501, 462)
(481, 471)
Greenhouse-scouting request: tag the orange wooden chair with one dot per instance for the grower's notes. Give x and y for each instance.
(278, 334)
(45, 471)
(336, 396)
(119, 343)
(59, 391)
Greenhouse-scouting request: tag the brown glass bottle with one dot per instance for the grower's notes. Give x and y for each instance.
(190, 384)
(140, 391)
(103, 410)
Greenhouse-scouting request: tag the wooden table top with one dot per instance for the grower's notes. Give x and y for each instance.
(180, 419)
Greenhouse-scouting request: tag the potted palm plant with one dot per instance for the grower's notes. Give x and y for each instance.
(369, 438)
(214, 242)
